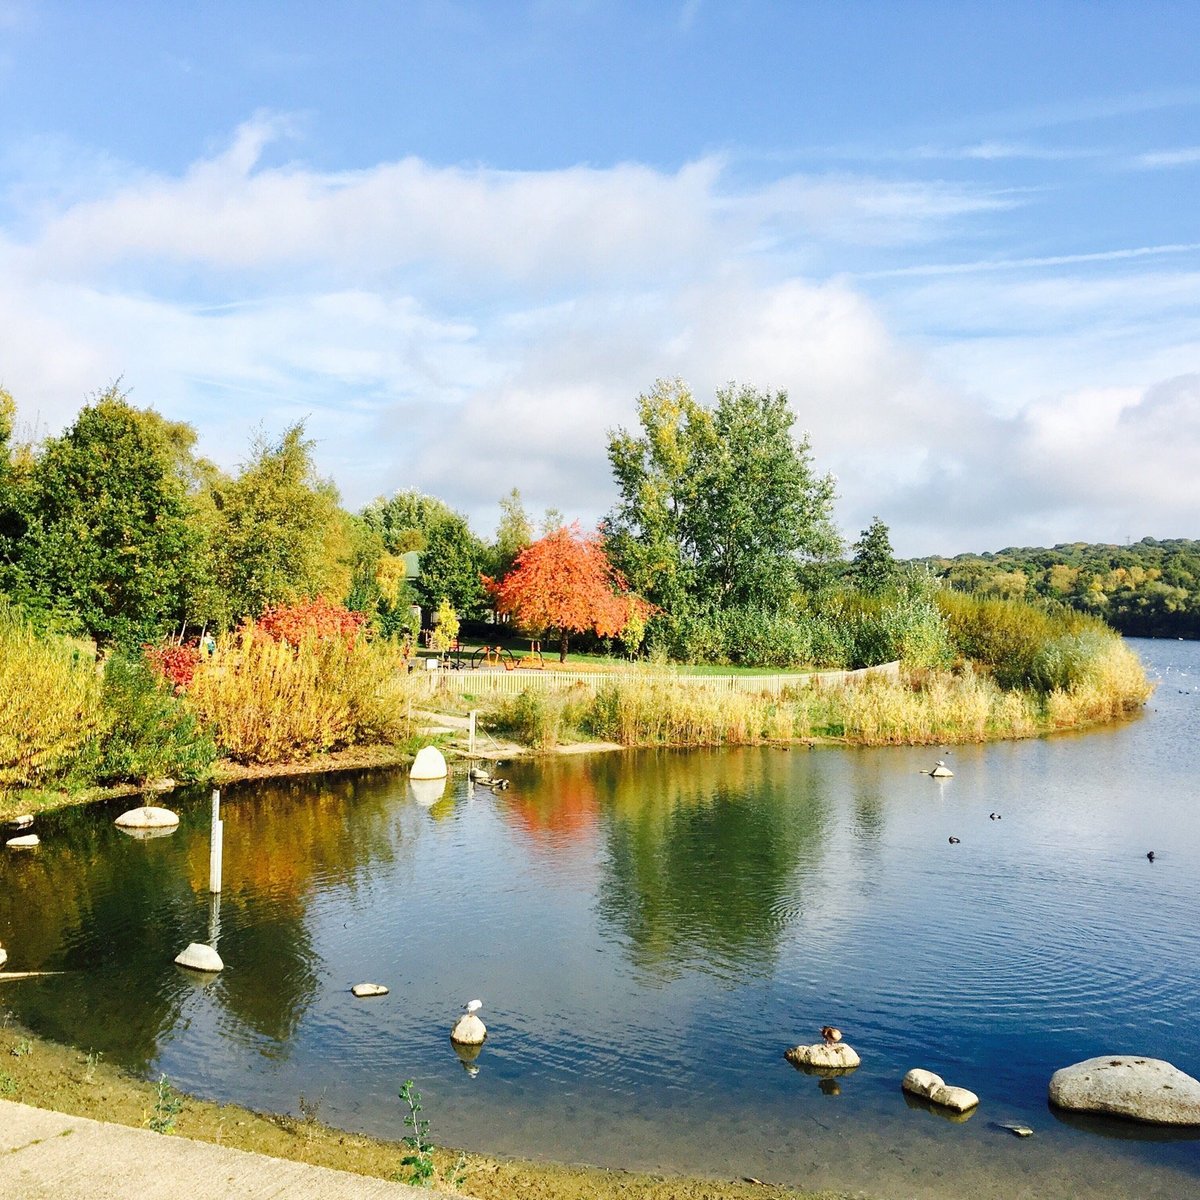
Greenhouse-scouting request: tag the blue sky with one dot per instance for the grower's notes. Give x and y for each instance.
(458, 239)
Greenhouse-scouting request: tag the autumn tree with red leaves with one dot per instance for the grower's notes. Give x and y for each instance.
(564, 582)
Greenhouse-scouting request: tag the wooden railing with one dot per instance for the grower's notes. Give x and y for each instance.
(511, 683)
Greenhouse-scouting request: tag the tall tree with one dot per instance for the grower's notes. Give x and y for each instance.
(513, 534)
(565, 582)
(719, 507)
(271, 531)
(109, 537)
(873, 567)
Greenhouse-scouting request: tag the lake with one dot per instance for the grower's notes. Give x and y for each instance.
(649, 931)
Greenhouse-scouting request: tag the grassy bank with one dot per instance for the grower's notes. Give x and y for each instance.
(41, 1073)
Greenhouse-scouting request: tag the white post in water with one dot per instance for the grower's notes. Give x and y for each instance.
(214, 855)
(471, 734)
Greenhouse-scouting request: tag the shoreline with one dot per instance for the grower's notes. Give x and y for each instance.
(48, 1075)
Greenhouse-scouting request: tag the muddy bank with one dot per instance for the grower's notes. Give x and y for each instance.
(46, 1075)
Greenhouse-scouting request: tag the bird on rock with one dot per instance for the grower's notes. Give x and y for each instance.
(472, 1007)
(832, 1034)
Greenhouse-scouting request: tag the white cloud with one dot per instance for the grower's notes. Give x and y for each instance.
(1185, 157)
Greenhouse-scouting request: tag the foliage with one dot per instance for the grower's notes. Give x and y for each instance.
(320, 619)
(168, 1104)
(265, 701)
(50, 702)
(719, 508)
(419, 1159)
(564, 581)
(873, 567)
(108, 533)
(1150, 588)
(147, 732)
(269, 532)
(173, 663)
(445, 627)
(513, 534)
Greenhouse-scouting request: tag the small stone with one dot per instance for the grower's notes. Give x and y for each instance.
(369, 989)
(1122, 1085)
(922, 1083)
(200, 957)
(430, 763)
(840, 1056)
(3, 956)
(22, 822)
(24, 841)
(469, 1031)
(941, 771)
(147, 817)
(1018, 1130)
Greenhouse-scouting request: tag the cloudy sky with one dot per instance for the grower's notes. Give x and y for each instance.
(459, 238)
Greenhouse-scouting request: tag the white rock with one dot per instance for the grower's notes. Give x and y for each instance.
(941, 771)
(369, 989)
(838, 1056)
(200, 957)
(430, 763)
(957, 1098)
(922, 1083)
(148, 817)
(1122, 1085)
(22, 822)
(3, 956)
(470, 1031)
(24, 841)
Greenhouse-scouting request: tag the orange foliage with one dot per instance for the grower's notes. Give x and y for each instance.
(565, 582)
(175, 664)
(320, 619)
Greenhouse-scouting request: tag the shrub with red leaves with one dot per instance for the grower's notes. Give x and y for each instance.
(319, 618)
(175, 664)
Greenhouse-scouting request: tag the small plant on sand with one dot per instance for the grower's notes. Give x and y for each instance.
(8, 1085)
(309, 1111)
(93, 1061)
(168, 1104)
(419, 1160)
(24, 1046)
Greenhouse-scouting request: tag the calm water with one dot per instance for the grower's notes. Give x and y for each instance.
(649, 932)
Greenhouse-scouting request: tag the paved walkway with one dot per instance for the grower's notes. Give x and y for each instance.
(48, 1156)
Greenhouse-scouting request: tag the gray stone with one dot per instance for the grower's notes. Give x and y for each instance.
(369, 989)
(956, 1098)
(470, 1031)
(838, 1056)
(24, 842)
(200, 957)
(1123, 1085)
(922, 1083)
(148, 817)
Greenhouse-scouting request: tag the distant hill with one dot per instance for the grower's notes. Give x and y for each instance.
(1150, 588)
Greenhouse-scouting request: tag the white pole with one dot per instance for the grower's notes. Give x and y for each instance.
(471, 734)
(214, 856)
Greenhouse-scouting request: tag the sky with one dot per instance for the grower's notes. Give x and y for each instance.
(459, 239)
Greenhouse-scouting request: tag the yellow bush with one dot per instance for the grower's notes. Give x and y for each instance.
(49, 702)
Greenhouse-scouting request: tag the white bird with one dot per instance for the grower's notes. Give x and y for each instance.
(472, 1006)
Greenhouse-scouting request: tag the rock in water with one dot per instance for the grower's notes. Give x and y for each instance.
(429, 764)
(922, 1083)
(200, 957)
(937, 1091)
(1140, 1089)
(24, 842)
(470, 1031)
(369, 989)
(148, 817)
(941, 771)
(839, 1056)
(22, 822)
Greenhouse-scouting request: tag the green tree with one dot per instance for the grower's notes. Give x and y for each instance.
(719, 507)
(109, 537)
(513, 534)
(873, 568)
(270, 530)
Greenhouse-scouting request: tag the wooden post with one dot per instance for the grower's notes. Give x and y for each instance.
(214, 855)
(471, 734)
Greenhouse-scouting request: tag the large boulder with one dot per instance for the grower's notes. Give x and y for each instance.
(148, 817)
(430, 763)
(838, 1056)
(936, 1090)
(1122, 1085)
(922, 1083)
(469, 1031)
(199, 957)
(24, 842)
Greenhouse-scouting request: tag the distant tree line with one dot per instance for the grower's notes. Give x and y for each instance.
(1149, 588)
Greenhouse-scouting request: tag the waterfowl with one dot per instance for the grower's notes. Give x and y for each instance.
(832, 1034)
(994, 817)
(955, 841)
(1150, 855)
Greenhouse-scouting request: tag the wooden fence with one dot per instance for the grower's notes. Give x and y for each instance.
(499, 682)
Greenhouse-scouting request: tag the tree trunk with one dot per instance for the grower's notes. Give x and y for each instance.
(562, 647)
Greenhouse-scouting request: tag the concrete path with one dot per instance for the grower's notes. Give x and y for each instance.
(49, 1156)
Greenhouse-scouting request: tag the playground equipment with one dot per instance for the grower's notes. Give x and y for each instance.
(501, 656)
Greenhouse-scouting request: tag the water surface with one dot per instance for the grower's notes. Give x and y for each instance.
(649, 932)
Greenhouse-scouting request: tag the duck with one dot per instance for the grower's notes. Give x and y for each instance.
(955, 841)
(831, 1034)
(1150, 855)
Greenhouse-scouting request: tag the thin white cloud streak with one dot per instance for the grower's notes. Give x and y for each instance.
(1185, 157)
(1016, 264)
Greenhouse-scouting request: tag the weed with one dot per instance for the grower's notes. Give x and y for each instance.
(23, 1047)
(8, 1084)
(309, 1110)
(168, 1104)
(419, 1160)
(93, 1061)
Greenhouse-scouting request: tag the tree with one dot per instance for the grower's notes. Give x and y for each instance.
(109, 537)
(565, 582)
(719, 507)
(513, 534)
(271, 530)
(873, 567)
